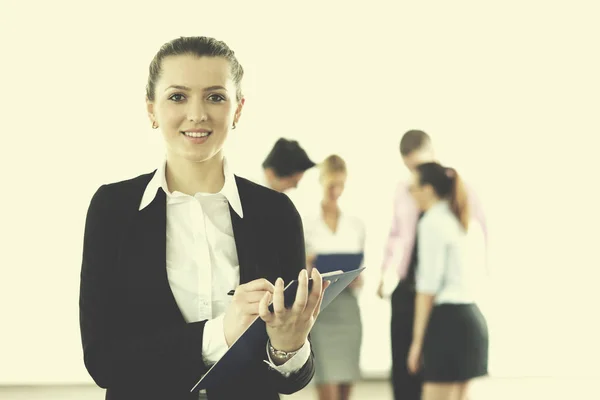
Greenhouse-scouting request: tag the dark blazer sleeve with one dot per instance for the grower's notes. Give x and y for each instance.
(292, 258)
(117, 354)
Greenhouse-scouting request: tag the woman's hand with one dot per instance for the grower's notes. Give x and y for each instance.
(244, 308)
(288, 328)
(380, 292)
(357, 283)
(413, 362)
(310, 263)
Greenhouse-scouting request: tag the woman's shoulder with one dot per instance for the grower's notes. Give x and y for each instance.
(439, 219)
(258, 197)
(137, 181)
(119, 194)
(311, 217)
(312, 213)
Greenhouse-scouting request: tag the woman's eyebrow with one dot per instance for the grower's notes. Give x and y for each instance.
(181, 87)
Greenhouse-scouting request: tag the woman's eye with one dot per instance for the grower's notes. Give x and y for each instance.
(216, 98)
(176, 97)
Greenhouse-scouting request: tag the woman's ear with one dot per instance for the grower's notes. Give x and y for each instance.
(238, 111)
(150, 111)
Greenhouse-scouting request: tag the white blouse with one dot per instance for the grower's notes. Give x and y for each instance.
(451, 262)
(202, 262)
(348, 238)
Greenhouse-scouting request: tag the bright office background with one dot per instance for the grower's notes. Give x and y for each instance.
(508, 90)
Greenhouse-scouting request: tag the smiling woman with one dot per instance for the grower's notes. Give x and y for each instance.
(163, 250)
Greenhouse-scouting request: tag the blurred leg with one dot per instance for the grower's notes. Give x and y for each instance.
(328, 392)
(441, 391)
(464, 391)
(345, 389)
(406, 386)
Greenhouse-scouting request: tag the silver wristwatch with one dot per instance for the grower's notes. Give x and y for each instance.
(282, 355)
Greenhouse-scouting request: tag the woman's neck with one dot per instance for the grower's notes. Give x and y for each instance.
(195, 177)
(329, 207)
(432, 203)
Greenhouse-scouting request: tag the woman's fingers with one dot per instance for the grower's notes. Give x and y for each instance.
(307, 303)
(318, 307)
(315, 293)
(260, 285)
(278, 300)
(251, 297)
(263, 309)
(249, 303)
(301, 293)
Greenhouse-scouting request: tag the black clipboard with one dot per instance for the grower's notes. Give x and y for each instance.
(253, 342)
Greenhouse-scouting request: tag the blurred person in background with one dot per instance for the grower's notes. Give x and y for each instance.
(337, 335)
(285, 165)
(449, 345)
(415, 148)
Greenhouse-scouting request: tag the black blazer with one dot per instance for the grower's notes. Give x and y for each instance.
(136, 343)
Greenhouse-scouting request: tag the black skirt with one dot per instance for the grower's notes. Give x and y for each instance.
(455, 347)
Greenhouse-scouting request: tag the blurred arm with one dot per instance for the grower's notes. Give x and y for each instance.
(431, 253)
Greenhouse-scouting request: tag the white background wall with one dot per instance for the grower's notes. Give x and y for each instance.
(508, 90)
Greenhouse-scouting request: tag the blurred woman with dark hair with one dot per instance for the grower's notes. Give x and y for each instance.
(450, 337)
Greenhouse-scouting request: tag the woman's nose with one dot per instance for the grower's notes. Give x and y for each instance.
(197, 112)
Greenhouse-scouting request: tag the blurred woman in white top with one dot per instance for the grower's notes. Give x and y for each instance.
(337, 335)
(450, 336)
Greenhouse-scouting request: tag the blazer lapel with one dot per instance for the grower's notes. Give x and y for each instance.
(244, 245)
(148, 260)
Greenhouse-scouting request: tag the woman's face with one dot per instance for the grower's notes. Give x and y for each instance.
(195, 106)
(333, 185)
(423, 194)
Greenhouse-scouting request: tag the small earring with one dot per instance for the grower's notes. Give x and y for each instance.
(234, 126)
(154, 125)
